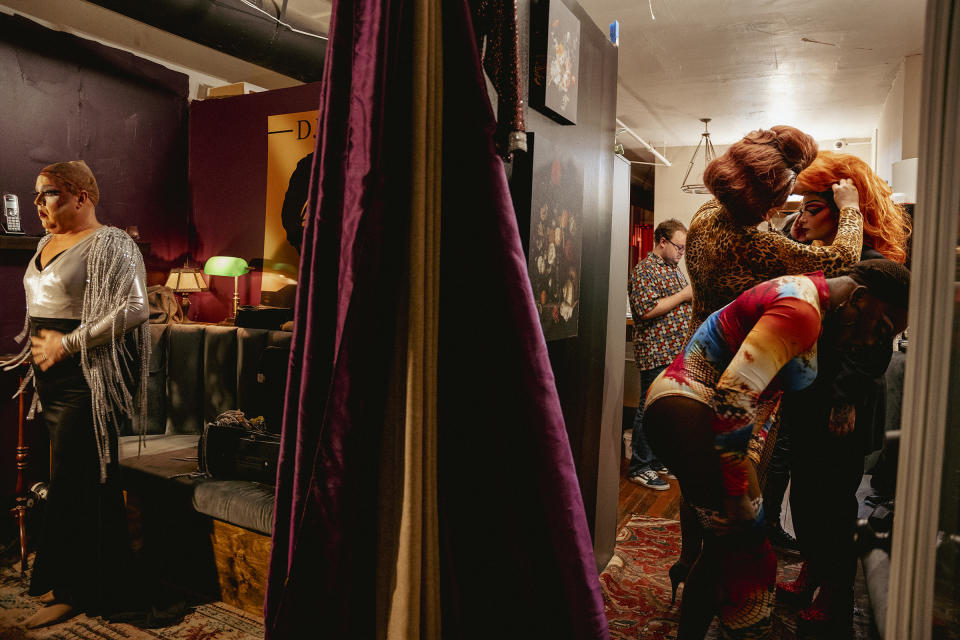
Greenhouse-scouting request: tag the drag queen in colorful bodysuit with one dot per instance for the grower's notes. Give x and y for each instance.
(703, 411)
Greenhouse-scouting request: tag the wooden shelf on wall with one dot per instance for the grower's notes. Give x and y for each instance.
(19, 243)
(29, 243)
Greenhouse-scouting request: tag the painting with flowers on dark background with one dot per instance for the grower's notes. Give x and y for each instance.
(554, 60)
(555, 238)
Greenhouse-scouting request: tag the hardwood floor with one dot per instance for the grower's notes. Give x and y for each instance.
(635, 499)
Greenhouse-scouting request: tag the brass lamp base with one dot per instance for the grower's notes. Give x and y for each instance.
(185, 305)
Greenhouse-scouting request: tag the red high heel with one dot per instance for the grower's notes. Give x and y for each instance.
(797, 592)
(822, 619)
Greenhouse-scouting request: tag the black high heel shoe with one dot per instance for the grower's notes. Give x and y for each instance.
(678, 575)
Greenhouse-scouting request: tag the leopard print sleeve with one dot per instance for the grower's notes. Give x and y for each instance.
(795, 258)
(725, 259)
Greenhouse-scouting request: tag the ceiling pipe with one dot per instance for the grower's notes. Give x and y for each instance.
(647, 146)
(237, 29)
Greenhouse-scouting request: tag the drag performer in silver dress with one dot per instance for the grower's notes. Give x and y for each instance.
(86, 308)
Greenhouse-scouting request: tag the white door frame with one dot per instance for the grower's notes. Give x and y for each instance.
(933, 290)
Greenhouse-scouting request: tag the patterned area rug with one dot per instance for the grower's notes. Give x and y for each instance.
(636, 587)
(212, 621)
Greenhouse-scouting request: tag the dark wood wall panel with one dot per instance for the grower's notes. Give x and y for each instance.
(578, 363)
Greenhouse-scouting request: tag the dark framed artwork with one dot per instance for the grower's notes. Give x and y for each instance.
(554, 60)
(555, 240)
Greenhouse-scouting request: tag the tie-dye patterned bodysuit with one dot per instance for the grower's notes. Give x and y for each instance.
(748, 352)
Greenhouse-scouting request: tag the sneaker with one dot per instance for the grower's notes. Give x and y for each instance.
(650, 480)
(661, 469)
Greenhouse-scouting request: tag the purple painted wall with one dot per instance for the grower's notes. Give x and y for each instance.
(228, 185)
(64, 98)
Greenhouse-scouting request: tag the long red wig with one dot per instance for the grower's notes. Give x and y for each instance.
(886, 226)
(757, 173)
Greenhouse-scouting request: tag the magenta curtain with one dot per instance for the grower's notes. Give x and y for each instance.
(323, 559)
(515, 551)
(514, 538)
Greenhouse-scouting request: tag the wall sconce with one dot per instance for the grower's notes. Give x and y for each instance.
(228, 266)
(186, 280)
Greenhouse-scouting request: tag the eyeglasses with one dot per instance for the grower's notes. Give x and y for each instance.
(678, 247)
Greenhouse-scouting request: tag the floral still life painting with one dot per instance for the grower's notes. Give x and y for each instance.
(555, 53)
(556, 239)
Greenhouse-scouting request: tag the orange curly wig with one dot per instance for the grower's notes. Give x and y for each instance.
(886, 226)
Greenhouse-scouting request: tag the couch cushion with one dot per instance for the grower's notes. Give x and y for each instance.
(220, 371)
(262, 358)
(245, 504)
(185, 381)
(157, 380)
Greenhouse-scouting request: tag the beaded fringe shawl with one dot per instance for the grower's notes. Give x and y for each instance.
(112, 264)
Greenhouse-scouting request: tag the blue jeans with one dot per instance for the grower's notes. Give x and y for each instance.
(642, 457)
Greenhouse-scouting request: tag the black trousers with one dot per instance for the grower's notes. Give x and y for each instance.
(825, 473)
(778, 476)
(83, 550)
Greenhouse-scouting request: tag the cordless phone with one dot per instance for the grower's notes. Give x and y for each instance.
(11, 215)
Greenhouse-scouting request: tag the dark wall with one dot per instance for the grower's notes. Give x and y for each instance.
(65, 98)
(228, 185)
(578, 363)
(641, 197)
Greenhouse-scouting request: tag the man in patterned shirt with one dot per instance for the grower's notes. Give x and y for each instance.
(660, 304)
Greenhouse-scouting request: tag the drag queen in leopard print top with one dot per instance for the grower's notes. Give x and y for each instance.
(726, 254)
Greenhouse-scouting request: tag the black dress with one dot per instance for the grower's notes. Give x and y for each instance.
(83, 550)
(826, 470)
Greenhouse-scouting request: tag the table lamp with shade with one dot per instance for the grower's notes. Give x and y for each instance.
(228, 266)
(186, 280)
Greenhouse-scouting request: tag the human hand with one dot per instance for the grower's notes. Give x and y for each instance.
(47, 348)
(845, 194)
(686, 294)
(843, 419)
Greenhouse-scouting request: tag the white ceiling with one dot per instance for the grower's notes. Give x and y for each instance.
(824, 66)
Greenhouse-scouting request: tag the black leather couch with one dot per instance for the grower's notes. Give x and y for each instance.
(197, 372)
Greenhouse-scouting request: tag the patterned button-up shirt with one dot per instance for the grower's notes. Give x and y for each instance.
(657, 341)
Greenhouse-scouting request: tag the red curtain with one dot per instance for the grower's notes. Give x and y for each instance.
(641, 242)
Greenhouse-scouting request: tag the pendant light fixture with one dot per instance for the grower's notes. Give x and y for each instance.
(695, 184)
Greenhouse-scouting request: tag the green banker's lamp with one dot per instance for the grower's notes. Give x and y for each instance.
(228, 266)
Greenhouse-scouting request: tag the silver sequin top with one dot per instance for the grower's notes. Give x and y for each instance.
(57, 291)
